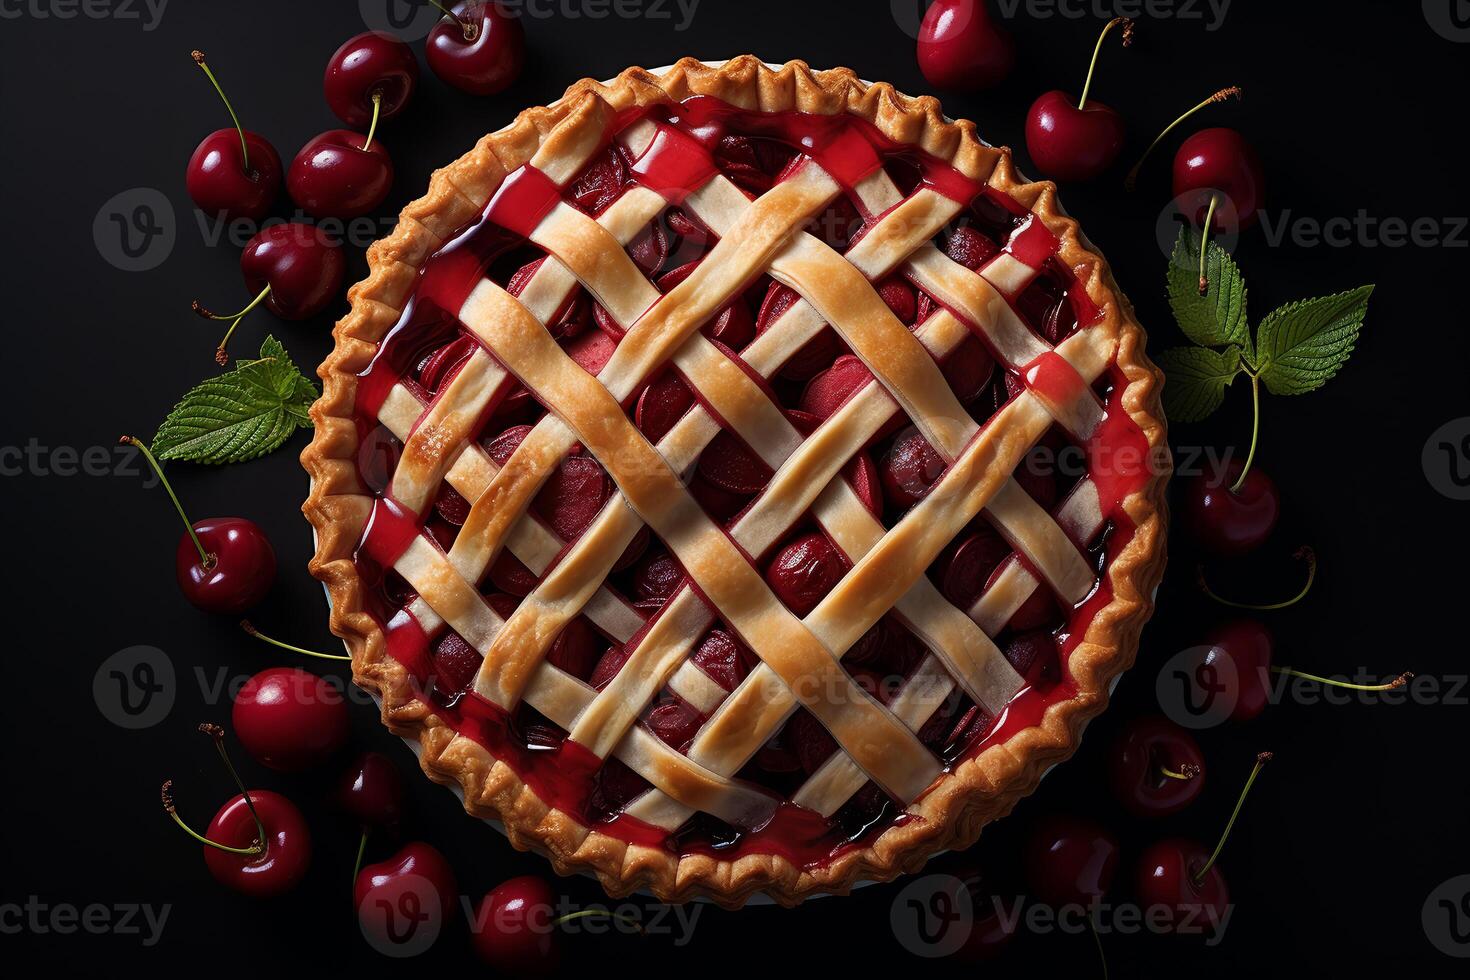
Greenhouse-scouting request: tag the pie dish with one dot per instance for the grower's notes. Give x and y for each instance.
(738, 479)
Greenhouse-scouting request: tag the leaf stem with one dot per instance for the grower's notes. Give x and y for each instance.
(1127, 24)
(1304, 553)
(198, 57)
(205, 558)
(1261, 760)
(1255, 431)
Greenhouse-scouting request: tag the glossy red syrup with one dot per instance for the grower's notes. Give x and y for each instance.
(680, 159)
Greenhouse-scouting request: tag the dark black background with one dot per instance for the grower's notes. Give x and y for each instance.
(1361, 816)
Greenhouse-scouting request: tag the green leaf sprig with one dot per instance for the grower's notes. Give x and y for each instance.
(244, 413)
(1297, 347)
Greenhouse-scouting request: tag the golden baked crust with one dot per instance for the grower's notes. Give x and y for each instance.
(978, 790)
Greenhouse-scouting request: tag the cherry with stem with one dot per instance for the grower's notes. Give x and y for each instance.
(233, 173)
(198, 57)
(470, 28)
(1130, 182)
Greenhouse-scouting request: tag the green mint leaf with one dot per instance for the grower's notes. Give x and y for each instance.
(1218, 318)
(1195, 380)
(248, 412)
(1303, 344)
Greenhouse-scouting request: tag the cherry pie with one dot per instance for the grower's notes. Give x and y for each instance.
(737, 479)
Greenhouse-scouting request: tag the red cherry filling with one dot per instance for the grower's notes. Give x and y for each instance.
(572, 495)
(804, 571)
(909, 468)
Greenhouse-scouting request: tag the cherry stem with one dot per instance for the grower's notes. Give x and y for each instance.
(1394, 684)
(1186, 772)
(1304, 553)
(218, 735)
(1204, 244)
(471, 31)
(377, 110)
(205, 558)
(1250, 457)
(198, 57)
(249, 627)
(607, 913)
(255, 850)
(357, 865)
(1261, 760)
(220, 357)
(1131, 181)
(1127, 23)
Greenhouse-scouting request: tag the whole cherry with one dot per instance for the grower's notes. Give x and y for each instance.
(962, 48)
(371, 791)
(1231, 511)
(1155, 768)
(371, 76)
(233, 173)
(1076, 140)
(1216, 167)
(294, 269)
(479, 47)
(515, 927)
(1131, 181)
(412, 890)
(990, 930)
(290, 719)
(1070, 861)
(1178, 881)
(340, 174)
(258, 843)
(223, 564)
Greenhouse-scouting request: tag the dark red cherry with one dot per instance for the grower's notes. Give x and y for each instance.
(456, 662)
(962, 48)
(514, 929)
(340, 174)
(1167, 885)
(233, 173)
(909, 468)
(1077, 140)
(804, 571)
(300, 263)
(970, 247)
(1219, 161)
(290, 719)
(830, 390)
(228, 183)
(372, 65)
(286, 855)
(1227, 520)
(991, 930)
(969, 564)
(237, 573)
(1070, 861)
(656, 576)
(1237, 667)
(662, 404)
(371, 791)
(1155, 768)
(417, 884)
(481, 50)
